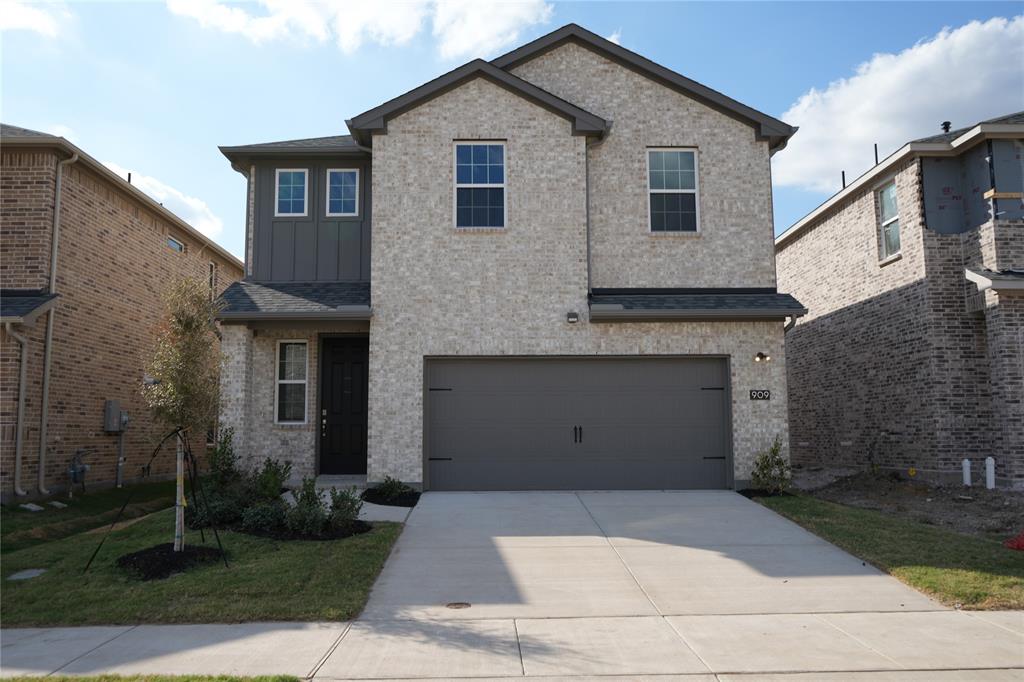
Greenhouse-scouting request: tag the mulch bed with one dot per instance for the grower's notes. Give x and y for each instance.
(161, 561)
(346, 531)
(407, 499)
(751, 493)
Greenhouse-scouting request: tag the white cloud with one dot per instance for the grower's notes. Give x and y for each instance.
(44, 18)
(463, 28)
(470, 28)
(615, 37)
(964, 75)
(192, 210)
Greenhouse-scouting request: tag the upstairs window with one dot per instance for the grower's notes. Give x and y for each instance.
(888, 222)
(290, 405)
(290, 192)
(342, 192)
(479, 184)
(175, 245)
(672, 190)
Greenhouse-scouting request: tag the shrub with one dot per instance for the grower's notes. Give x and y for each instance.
(268, 481)
(309, 516)
(771, 470)
(222, 507)
(267, 516)
(223, 461)
(392, 488)
(345, 507)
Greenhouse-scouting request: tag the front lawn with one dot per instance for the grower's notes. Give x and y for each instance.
(268, 579)
(974, 572)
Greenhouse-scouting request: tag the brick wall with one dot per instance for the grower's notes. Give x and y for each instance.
(113, 267)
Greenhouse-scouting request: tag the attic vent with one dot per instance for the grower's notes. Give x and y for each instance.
(946, 125)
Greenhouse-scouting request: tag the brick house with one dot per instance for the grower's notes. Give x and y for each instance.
(551, 301)
(912, 354)
(116, 250)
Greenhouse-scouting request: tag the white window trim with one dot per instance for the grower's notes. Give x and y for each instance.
(885, 258)
(176, 241)
(457, 186)
(305, 192)
(695, 191)
(327, 192)
(278, 381)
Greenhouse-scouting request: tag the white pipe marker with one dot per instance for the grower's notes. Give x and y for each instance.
(967, 471)
(990, 473)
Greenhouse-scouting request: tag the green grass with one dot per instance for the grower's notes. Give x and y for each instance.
(977, 573)
(268, 579)
(20, 528)
(158, 678)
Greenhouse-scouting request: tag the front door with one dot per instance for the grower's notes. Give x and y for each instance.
(343, 386)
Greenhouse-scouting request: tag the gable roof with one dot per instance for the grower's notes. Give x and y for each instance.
(16, 136)
(375, 120)
(775, 131)
(953, 143)
(244, 300)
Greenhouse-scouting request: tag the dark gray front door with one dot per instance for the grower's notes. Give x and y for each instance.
(577, 423)
(343, 384)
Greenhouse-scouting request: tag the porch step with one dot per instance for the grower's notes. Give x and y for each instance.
(326, 482)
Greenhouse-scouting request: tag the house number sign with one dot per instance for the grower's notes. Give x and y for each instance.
(761, 394)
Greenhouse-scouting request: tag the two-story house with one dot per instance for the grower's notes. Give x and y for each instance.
(912, 355)
(85, 259)
(553, 270)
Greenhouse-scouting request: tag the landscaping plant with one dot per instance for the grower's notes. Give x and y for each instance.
(771, 470)
(392, 492)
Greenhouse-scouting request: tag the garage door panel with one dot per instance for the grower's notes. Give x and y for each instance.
(508, 424)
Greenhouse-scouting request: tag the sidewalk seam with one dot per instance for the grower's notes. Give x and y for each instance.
(101, 644)
(519, 646)
(330, 650)
(858, 640)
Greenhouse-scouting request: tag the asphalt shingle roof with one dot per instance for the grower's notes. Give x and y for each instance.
(7, 130)
(293, 299)
(714, 303)
(953, 134)
(19, 303)
(335, 143)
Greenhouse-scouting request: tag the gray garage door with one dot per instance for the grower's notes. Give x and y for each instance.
(580, 423)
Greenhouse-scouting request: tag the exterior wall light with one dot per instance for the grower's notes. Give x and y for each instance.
(761, 357)
(572, 317)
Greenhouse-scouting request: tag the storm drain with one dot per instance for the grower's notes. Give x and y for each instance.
(458, 605)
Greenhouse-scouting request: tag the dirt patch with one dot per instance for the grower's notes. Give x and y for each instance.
(406, 499)
(976, 511)
(161, 561)
(118, 526)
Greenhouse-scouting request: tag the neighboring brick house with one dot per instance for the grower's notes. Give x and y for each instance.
(912, 354)
(116, 252)
(556, 301)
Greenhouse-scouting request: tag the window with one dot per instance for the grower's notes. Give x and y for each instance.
(480, 184)
(290, 194)
(888, 221)
(342, 192)
(672, 190)
(175, 245)
(290, 407)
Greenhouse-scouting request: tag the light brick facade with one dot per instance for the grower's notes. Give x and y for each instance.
(903, 364)
(113, 267)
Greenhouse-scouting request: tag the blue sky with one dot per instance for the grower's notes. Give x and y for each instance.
(154, 88)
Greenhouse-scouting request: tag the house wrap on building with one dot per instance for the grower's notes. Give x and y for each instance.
(85, 258)
(553, 270)
(912, 353)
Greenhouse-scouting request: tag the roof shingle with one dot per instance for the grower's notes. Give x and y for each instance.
(296, 300)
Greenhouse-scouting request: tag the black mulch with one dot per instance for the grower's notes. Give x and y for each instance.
(406, 499)
(161, 561)
(751, 493)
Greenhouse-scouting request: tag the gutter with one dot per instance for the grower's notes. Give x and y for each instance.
(996, 284)
(44, 416)
(353, 312)
(19, 425)
(616, 312)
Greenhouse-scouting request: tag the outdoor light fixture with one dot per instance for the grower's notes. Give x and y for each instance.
(761, 357)
(572, 317)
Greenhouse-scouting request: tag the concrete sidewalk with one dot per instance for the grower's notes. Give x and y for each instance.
(918, 647)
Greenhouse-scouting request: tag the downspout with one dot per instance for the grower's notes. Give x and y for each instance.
(48, 343)
(587, 145)
(20, 424)
(789, 325)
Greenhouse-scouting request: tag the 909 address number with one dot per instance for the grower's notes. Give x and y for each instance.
(761, 394)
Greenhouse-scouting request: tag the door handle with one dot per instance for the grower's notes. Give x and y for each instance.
(575, 434)
(581, 434)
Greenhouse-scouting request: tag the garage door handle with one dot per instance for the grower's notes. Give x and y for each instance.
(581, 434)
(575, 434)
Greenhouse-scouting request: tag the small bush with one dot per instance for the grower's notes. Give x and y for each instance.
(222, 507)
(268, 481)
(309, 516)
(345, 507)
(223, 461)
(265, 517)
(392, 488)
(771, 470)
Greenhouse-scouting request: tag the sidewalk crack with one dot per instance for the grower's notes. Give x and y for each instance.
(84, 654)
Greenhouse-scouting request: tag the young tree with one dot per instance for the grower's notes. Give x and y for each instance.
(182, 387)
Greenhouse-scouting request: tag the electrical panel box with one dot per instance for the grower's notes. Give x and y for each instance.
(112, 417)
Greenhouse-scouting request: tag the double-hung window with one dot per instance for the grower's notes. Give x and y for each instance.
(479, 184)
(888, 221)
(672, 190)
(290, 191)
(342, 192)
(292, 368)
